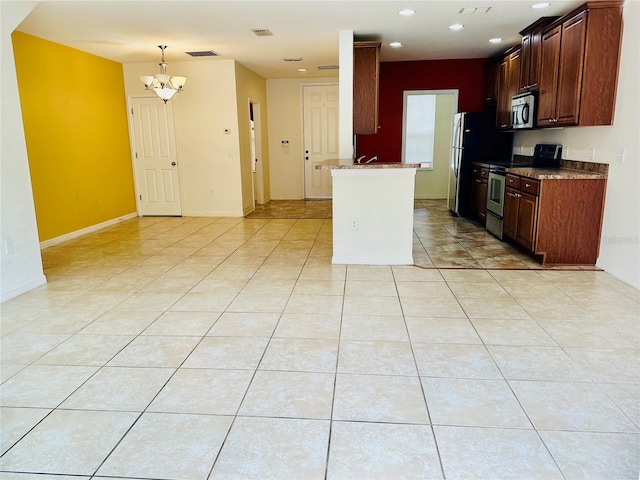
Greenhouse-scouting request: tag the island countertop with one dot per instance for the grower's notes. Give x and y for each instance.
(347, 163)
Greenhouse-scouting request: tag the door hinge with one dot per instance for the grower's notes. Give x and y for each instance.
(132, 111)
(140, 197)
(136, 154)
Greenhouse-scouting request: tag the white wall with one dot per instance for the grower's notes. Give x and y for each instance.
(209, 159)
(286, 163)
(22, 269)
(345, 55)
(620, 245)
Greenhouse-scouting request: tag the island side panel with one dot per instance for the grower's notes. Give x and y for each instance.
(373, 216)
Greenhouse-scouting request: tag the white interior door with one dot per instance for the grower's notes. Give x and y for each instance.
(320, 137)
(156, 162)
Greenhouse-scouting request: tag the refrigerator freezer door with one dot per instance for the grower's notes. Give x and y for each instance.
(454, 167)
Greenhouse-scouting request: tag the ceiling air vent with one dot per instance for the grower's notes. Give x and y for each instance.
(292, 59)
(328, 67)
(206, 53)
(262, 32)
(474, 10)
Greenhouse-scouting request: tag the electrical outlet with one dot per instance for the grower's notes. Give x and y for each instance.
(354, 224)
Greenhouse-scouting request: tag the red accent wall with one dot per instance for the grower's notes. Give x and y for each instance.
(396, 77)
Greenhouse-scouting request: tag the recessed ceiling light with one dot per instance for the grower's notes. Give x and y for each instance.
(540, 5)
(302, 69)
(495, 40)
(456, 26)
(395, 44)
(407, 12)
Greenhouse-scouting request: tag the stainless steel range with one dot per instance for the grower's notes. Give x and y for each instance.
(544, 156)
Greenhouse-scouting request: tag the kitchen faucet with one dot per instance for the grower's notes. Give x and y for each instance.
(359, 159)
(372, 159)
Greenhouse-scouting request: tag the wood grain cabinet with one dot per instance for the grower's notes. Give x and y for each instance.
(508, 82)
(559, 220)
(579, 66)
(366, 75)
(479, 189)
(531, 55)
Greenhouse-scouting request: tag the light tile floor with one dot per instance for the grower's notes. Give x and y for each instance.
(194, 348)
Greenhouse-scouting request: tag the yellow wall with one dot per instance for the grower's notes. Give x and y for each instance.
(75, 123)
(252, 87)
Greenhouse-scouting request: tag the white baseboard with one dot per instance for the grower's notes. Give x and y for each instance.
(434, 196)
(371, 261)
(84, 231)
(213, 214)
(24, 288)
(633, 281)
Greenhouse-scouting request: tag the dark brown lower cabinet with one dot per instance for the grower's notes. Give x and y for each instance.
(558, 220)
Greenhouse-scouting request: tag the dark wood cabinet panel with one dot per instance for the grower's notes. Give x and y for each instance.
(532, 54)
(366, 74)
(527, 220)
(559, 220)
(510, 213)
(550, 59)
(490, 81)
(579, 66)
(570, 73)
(508, 86)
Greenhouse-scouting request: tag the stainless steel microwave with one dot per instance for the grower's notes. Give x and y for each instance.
(523, 110)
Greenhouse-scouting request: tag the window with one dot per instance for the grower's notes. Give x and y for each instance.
(426, 127)
(419, 129)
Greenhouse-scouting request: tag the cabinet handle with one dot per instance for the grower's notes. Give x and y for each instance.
(527, 185)
(479, 181)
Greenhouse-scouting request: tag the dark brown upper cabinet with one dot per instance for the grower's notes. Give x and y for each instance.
(579, 66)
(531, 55)
(366, 75)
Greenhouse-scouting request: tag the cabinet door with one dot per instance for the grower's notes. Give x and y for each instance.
(503, 114)
(570, 73)
(535, 59)
(510, 214)
(527, 218)
(515, 63)
(490, 81)
(366, 73)
(550, 56)
(525, 63)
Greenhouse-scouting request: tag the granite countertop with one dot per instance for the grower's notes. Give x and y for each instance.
(555, 173)
(347, 163)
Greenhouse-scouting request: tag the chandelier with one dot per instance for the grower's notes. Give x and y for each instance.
(164, 86)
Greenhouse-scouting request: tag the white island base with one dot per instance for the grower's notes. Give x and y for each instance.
(373, 215)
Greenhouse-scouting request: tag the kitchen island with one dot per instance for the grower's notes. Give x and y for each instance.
(372, 212)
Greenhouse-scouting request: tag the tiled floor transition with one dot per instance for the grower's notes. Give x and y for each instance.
(195, 348)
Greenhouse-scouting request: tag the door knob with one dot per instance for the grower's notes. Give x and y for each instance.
(173, 164)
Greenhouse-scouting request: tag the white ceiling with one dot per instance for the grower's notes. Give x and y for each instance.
(129, 31)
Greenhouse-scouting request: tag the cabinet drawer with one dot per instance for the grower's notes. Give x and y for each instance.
(513, 181)
(530, 186)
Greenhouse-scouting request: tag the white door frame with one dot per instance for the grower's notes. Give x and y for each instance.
(258, 180)
(132, 147)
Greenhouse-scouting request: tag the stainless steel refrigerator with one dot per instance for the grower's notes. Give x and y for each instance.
(475, 139)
